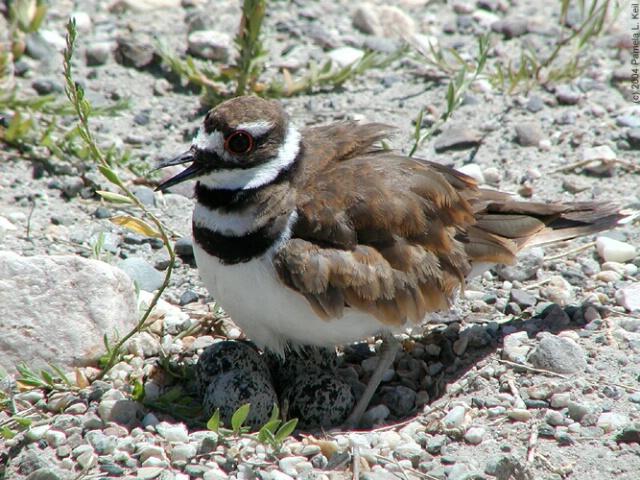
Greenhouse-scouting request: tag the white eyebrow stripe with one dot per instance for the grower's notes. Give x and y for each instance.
(256, 129)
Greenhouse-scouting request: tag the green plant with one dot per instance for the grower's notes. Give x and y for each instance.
(465, 75)
(216, 84)
(82, 109)
(271, 433)
(24, 16)
(570, 55)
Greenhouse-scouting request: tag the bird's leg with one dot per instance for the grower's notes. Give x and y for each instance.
(388, 350)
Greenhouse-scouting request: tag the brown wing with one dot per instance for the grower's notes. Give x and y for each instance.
(395, 236)
(376, 231)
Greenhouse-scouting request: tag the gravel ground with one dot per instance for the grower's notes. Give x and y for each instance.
(535, 373)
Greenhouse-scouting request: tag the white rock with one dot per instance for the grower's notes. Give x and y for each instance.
(629, 297)
(37, 433)
(609, 421)
(474, 171)
(288, 465)
(83, 21)
(210, 44)
(475, 435)
(345, 56)
(455, 417)
(173, 432)
(558, 290)
(614, 250)
(383, 21)
(64, 307)
(601, 152)
(6, 224)
(608, 276)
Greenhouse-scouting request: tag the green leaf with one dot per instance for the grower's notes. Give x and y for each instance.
(214, 422)
(114, 197)
(239, 417)
(135, 224)
(286, 429)
(138, 391)
(266, 437)
(6, 433)
(109, 174)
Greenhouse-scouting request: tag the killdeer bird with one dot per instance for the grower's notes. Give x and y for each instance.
(321, 237)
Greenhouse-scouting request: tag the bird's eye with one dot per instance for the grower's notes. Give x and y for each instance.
(238, 143)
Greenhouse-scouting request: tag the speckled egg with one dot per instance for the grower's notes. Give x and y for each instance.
(319, 400)
(230, 390)
(222, 357)
(299, 362)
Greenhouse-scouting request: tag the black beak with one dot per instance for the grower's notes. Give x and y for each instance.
(191, 171)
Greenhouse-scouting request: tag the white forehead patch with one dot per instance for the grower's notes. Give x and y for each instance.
(212, 142)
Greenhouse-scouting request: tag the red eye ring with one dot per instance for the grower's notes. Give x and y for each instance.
(239, 143)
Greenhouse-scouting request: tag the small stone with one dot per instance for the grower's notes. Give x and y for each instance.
(515, 347)
(475, 435)
(97, 53)
(558, 290)
(512, 26)
(633, 137)
(560, 400)
(145, 195)
(175, 433)
(505, 467)
(567, 95)
(345, 56)
(574, 186)
(102, 213)
(529, 134)
(519, 414)
(629, 297)
(210, 45)
(401, 400)
(148, 278)
(578, 410)
(554, 418)
(558, 354)
(184, 247)
(535, 104)
(630, 121)
(601, 152)
(383, 20)
(522, 299)
(529, 262)
(474, 171)
(615, 251)
(455, 418)
(609, 421)
(457, 138)
(46, 86)
(136, 51)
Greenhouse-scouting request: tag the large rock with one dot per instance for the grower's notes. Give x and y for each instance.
(56, 309)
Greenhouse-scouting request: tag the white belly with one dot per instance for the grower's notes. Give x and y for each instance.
(271, 314)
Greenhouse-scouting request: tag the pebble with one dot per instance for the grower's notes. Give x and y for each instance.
(515, 347)
(522, 299)
(475, 435)
(567, 95)
(578, 410)
(630, 121)
(519, 414)
(609, 421)
(98, 53)
(474, 171)
(558, 290)
(455, 417)
(529, 134)
(529, 262)
(633, 137)
(457, 138)
(345, 56)
(629, 297)
(184, 247)
(615, 251)
(511, 26)
(210, 45)
(383, 20)
(535, 104)
(558, 354)
(148, 278)
(601, 152)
